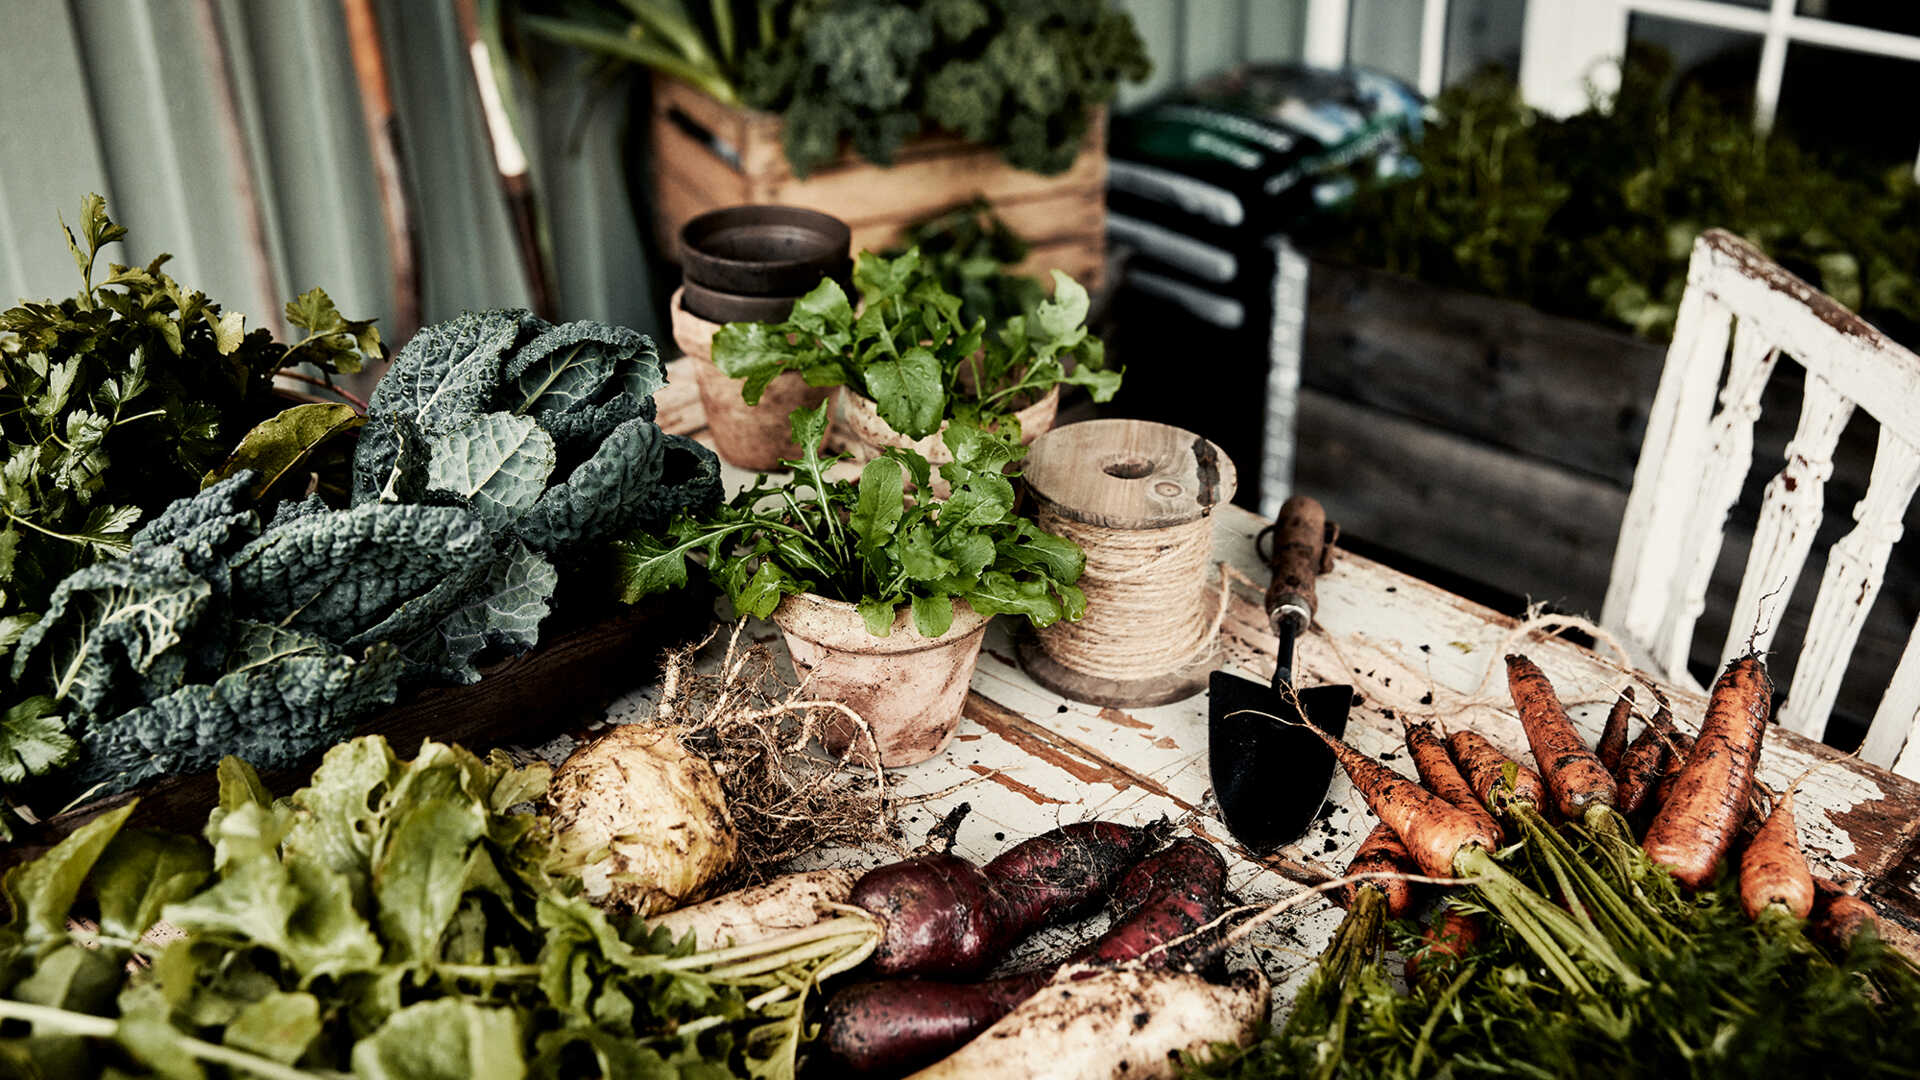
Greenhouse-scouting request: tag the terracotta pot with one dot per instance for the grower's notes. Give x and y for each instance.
(865, 434)
(908, 688)
(749, 436)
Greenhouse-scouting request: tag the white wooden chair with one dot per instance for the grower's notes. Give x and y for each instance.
(1695, 459)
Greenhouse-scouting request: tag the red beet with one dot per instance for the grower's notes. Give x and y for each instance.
(945, 916)
(887, 1028)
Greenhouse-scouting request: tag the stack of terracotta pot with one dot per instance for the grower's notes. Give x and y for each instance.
(749, 264)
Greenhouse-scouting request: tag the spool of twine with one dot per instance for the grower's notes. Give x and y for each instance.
(1138, 499)
(1148, 610)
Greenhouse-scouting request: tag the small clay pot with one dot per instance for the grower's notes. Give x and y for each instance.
(909, 689)
(726, 307)
(748, 436)
(866, 435)
(763, 250)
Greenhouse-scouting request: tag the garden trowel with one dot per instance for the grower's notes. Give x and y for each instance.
(1270, 775)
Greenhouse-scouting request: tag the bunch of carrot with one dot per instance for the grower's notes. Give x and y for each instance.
(1589, 947)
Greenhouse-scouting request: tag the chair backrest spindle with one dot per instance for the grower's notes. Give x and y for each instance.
(1695, 460)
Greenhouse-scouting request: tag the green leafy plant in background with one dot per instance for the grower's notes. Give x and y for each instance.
(116, 401)
(1594, 216)
(497, 450)
(968, 250)
(911, 353)
(391, 918)
(870, 543)
(1020, 75)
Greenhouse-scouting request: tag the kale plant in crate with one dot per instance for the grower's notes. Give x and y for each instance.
(497, 451)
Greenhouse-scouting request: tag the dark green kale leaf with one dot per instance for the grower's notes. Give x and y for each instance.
(335, 575)
(275, 712)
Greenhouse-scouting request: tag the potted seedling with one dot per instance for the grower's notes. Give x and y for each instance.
(883, 597)
(907, 364)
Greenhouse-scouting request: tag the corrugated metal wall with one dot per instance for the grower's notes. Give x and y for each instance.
(131, 98)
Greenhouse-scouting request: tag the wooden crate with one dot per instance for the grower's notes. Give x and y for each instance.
(707, 155)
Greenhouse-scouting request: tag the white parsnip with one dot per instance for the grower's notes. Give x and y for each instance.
(789, 902)
(1117, 1023)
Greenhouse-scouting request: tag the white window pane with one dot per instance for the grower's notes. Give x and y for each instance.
(1385, 35)
(1836, 100)
(1722, 62)
(1898, 16)
(1484, 33)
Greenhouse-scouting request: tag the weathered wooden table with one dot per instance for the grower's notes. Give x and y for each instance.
(1027, 759)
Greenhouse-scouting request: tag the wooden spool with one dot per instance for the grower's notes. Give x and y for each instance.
(1133, 476)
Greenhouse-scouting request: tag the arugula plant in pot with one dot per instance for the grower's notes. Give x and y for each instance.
(907, 364)
(883, 597)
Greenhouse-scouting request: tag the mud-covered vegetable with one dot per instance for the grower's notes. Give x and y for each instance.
(644, 817)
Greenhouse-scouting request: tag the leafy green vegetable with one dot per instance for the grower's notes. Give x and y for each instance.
(497, 451)
(869, 543)
(391, 917)
(912, 355)
(115, 402)
(1014, 74)
(968, 249)
(1594, 215)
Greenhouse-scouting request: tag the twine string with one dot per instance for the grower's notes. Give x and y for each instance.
(1147, 613)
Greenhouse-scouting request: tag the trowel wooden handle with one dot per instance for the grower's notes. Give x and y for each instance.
(1301, 551)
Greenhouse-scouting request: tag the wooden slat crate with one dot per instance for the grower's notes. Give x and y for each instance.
(708, 155)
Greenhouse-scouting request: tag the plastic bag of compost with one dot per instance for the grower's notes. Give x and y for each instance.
(1262, 146)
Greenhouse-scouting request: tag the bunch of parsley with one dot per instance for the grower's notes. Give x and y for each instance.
(872, 544)
(117, 400)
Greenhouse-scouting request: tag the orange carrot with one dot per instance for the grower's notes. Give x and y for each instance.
(1613, 737)
(1382, 852)
(1450, 936)
(1773, 870)
(1840, 915)
(1679, 744)
(1693, 830)
(1483, 763)
(1644, 761)
(1573, 773)
(1441, 775)
(1434, 830)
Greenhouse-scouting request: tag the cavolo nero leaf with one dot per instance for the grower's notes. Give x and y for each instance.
(113, 629)
(335, 575)
(506, 612)
(446, 375)
(272, 715)
(609, 493)
(581, 380)
(496, 465)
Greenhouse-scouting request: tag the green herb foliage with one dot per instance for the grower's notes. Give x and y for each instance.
(968, 249)
(391, 918)
(869, 543)
(115, 401)
(1717, 995)
(910, 352)
(1020, 75)
(1594, 216)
